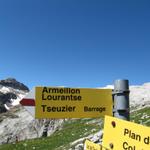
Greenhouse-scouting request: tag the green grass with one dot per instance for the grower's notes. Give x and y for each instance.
(137, 116)
(72, 131)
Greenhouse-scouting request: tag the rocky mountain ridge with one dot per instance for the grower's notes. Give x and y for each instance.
(13, 83)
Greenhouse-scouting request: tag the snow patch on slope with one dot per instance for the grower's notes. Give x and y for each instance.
(4, 89)
(13, 102)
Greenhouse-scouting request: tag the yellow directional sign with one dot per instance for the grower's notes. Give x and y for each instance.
(124, 135)
(92, 146)
(57, 102)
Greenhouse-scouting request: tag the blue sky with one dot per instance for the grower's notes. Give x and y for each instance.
(75, 43)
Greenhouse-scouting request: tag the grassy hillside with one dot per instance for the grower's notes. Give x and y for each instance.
(141, 116)
(71, 131)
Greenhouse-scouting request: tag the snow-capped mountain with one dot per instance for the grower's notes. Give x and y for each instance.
(11, 92)
(16, 123)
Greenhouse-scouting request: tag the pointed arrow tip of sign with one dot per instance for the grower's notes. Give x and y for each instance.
(27, 102)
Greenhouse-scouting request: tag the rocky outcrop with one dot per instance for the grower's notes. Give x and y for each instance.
(79, 144)
(5, 98)
(17, 125)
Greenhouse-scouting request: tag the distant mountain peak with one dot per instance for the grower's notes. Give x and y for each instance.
(11, 92)
(13, 83)
(10, 79)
